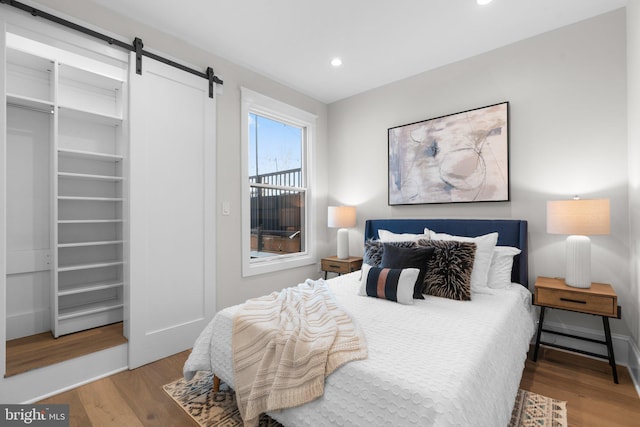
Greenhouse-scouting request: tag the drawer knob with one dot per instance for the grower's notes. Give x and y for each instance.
(573, 300)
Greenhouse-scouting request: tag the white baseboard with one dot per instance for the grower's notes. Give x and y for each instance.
(634, 364)
(625, 350)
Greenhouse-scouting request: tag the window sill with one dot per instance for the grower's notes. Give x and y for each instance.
(259, 265)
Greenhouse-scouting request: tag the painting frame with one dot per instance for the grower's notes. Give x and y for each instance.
(456, 158)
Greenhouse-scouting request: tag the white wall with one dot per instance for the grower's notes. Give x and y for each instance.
(633, 122)
(566, 90)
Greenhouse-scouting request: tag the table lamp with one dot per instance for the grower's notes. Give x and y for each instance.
(342, 217)
(579, 219)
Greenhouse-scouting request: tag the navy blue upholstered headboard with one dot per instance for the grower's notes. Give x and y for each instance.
(511, 232)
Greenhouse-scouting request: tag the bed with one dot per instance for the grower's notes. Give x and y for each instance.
(436, 362)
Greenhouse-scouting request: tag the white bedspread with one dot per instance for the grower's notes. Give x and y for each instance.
(435, 363)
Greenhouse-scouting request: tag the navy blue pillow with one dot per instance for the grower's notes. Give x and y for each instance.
(416, 257)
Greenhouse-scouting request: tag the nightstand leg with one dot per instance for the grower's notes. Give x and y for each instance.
(538, 334)
(612, 358)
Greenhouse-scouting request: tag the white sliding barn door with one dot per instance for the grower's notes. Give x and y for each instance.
(171, 211)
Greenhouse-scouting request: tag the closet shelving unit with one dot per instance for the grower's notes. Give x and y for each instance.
(88, 144)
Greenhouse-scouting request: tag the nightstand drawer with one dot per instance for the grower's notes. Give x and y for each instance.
(335, 266)
(578, 301)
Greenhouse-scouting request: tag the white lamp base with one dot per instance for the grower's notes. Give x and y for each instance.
(343, 243)
(578, 262)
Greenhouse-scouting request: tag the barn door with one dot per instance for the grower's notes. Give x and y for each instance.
(171, 291)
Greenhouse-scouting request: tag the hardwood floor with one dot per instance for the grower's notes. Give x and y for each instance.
(36, 351)
(130, 398)
(586, 384)
(136, 398)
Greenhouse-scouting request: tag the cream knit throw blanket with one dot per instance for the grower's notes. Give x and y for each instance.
(286, 343)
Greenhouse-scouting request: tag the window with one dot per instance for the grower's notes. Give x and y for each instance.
(277, 209)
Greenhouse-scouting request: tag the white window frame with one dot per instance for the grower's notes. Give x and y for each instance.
(254, 102)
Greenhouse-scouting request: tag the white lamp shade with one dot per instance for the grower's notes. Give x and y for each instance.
(578, 218)
(341, 216)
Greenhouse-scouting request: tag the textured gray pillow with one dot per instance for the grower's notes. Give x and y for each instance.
(373, 251)
(449, 271)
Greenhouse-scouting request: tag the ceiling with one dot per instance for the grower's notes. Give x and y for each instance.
(379, 41)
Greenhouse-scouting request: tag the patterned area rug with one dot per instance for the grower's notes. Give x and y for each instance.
(219, 409)
(535, 410)
(210, 409)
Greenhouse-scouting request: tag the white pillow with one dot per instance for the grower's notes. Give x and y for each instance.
(388, 236)
(401, 284)
(501, 265)
(482, 261)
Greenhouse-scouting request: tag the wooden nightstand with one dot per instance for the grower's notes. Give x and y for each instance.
(599, 300)
(334, 264)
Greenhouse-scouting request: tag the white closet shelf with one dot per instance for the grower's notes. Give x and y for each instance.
(89, 221)
(68, 152)
(97, 79)
(86, 115)
(87, 309)
(31, 103)
(71, 175)
(89, 287)
(96, 243)
(18, 55)
(91, 199)
(89, 266)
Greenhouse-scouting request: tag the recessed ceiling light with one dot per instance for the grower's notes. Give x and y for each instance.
(336, 62)
(483, 2)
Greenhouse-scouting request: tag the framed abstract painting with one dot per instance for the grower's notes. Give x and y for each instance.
(462, 157)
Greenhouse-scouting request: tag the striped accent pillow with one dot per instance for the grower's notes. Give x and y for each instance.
(393, 284)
